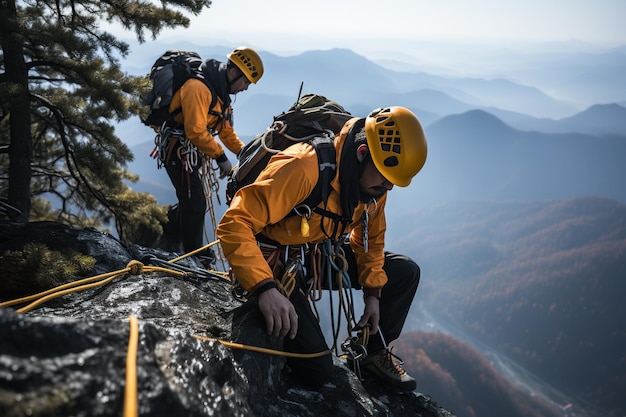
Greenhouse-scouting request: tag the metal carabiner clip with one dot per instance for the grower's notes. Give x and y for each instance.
(193, 156)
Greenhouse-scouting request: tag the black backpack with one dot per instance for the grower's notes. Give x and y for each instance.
(168, 74)
(314, 119)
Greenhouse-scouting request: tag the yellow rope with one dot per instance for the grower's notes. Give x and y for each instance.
(61, 287)
(234, 345)
(130, 391)
(60, 293)
(193, 252)
(134, 267)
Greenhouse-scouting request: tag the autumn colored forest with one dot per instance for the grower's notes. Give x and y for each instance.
(460, 377)
(542, 283)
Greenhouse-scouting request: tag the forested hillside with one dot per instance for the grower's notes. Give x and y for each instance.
(467, 382)
(541, 282)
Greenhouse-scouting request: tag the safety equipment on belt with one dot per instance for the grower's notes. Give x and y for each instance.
(248, 61)
(397, 143)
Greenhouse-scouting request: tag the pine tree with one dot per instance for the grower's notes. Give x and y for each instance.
(61, 91)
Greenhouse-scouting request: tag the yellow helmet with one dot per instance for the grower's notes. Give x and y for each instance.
(397, 143)
(248, 61)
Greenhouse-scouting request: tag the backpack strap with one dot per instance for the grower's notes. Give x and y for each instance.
(327, 160)
(220, 116)
(324, 145)
(212, 112)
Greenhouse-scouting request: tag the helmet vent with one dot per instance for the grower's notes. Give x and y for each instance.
(390, 140)
(248, 62)
(245, 61)
(392, 161)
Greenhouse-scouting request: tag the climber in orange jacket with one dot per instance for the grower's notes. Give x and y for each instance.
(200, 123)
(373, 154)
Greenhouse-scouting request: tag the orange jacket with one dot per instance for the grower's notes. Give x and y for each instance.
(194, 99)
(261, 207)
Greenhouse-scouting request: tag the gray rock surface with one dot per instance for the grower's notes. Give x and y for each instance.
(68, 355)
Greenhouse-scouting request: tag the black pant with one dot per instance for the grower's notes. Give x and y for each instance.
(397, 295)
(189, 217)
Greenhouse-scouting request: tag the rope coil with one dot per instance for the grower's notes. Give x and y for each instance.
(135, 267)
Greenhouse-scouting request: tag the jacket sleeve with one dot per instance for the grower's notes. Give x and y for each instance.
(370, 263)
(194, 99)
(287, 180)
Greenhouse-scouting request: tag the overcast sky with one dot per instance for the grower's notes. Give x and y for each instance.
(296, 25)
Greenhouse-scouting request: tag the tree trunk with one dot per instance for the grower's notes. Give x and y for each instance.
(16, 77)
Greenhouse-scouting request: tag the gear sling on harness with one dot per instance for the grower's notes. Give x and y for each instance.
(306, 269)
(302, 273)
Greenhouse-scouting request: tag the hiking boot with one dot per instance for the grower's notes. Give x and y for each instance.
(387, 367)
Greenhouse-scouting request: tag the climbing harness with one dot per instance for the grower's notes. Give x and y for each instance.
(318, 266)
(163, 146)
(172, 139)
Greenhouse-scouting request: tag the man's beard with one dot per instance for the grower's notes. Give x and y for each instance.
(366, 197)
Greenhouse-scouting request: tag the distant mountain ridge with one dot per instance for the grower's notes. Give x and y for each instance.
(476, 156)
(473, 122)
(599, 119)
(361, 85)
(527, 158)
(354, 81)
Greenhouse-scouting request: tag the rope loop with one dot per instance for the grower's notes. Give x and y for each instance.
(136, 267)
(344, 262)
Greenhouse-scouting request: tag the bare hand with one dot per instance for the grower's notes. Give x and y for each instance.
(371, 315)
(280, 315)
